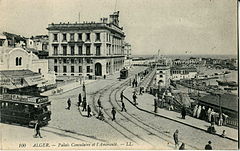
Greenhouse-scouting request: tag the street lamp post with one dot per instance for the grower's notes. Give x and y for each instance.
(219, 102)
(158, 89)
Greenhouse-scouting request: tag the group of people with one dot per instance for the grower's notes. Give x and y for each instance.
(134, 83)
(182, 147)
(134, 98)
(80, 103)
(209, 115)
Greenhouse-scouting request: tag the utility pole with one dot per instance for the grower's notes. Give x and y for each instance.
(219, 101)
(115, 6)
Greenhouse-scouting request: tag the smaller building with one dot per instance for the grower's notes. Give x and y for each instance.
(177, 62)
(18, 81)
(39, 43)
(127, 53)
(3, 40)
(14, 40)
(178, 73)
(18, 59)
(162, 76)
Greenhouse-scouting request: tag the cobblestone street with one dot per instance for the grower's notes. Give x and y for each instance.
(133, 129)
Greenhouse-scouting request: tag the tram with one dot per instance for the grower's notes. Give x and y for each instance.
(25, 110)
(123, 73)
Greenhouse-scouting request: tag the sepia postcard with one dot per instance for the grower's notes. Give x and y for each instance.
(119, 75)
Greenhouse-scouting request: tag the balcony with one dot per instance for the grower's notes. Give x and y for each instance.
(55, 42)
(72, 55)
(64, 41)
(87, 41)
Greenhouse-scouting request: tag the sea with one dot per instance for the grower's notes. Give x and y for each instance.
(184, 56)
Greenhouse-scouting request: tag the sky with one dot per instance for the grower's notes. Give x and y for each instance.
(171, 26)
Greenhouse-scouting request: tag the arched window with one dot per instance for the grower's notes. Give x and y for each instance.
(17, 61)
(20, 61)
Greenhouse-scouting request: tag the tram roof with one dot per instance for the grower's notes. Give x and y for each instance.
(24, 99)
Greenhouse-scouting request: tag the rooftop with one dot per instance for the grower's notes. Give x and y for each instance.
(85, 26)
(18, 73)
(191, 69)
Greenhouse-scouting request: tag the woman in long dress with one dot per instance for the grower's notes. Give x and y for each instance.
(199, 111)
(203, 113)
(195, 111)
(208, 114)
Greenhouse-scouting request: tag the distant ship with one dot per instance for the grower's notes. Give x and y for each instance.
(222, 83)
(227, 83)
(232, 84)
(233, 88)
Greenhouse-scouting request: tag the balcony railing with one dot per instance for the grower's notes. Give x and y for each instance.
(72, 54)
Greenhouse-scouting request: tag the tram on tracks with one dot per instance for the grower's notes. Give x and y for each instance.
(123, 73)
(25, 110)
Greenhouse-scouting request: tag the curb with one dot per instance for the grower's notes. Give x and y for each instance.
(175, 120)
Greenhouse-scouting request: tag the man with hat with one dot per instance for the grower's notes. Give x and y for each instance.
(208, 146)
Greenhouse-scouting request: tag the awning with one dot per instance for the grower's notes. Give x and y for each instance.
(13, 79)
(34, 80)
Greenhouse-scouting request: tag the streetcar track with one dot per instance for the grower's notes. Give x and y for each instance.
(95, 108)
(100, 93)
(125, 117)
(74, 133)
(147, 125)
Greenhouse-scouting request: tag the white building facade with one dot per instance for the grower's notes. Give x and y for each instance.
(127, 53)
(183, 73)
(86, 49)
(20, 59)
(162, 76)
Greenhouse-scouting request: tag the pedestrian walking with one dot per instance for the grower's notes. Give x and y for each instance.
(175, 137)
(208, 146)
(100, 114)
(123, 107)
(68, 103)
(84, 88)
(211, 129)
(89, 111)
(79, 99)
(133, 83)
(210, 113)
(99, 103)
(199, 111)
(223, 134)
(140, 91)
(203, 113)
(136, 83)
(182, 147)
(183, 112)
(121, 96)
(220, 122)
(84, 106)
(37, 129)
(195, 111)
(155, 105)
(113, 113)
(134, 99)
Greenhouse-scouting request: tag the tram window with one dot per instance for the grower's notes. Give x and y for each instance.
(26, 108)
(46, 108)
(2, 105)
(16, 107)
(38, 110)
